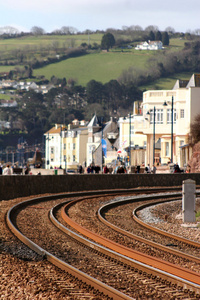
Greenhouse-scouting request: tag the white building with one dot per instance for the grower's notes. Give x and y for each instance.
(150, 45)
(185, 98)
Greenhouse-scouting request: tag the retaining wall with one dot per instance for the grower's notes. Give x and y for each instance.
(25, 185)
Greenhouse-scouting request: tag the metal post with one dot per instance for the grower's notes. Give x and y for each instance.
(130, 139)
(154, 121)
(172, 130)
(61, 146)
(47, 146)
(102, 144)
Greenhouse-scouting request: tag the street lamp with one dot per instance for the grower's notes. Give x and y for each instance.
(172, 123)
(47, 148)
(154, 119)
(154, 122)
(130, 139)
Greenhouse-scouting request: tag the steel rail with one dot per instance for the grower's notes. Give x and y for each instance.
(192, 278)
(160, 231)
(96, 284)
(102, 211)
(138, 266)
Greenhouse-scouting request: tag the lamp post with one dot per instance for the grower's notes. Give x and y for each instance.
(172, 124)
(102, 160)
(61, 146)
(154, 126)
(130, 139)
(172, 129)
(47, 148)
(154, 122)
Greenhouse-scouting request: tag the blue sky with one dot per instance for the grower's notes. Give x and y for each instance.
(100, 14)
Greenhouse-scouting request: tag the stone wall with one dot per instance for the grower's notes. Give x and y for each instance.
(26, 185)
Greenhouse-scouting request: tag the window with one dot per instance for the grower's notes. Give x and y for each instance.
(158, 116)
(182, 113)
(167, 149)
(169, 115)
(74, 146)
(52, 150)
(64, 146)
(74, 158)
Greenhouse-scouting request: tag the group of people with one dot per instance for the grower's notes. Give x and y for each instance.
(93, 169)
(150, 170)
(6, 171)
(9, 170)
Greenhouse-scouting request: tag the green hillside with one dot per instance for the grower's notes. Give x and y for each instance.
(99, 66)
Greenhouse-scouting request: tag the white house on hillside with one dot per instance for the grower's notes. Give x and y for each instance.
(150, 45)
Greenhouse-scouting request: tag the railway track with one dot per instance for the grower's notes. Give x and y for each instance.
(108, 275)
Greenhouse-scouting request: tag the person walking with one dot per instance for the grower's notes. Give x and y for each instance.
(154, 169)
(7, 170)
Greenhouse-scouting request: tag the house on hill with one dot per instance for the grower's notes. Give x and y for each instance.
(150, 45)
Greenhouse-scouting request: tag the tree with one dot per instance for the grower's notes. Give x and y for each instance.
(151, 36)
(195, 129)
(95, 91)
(151, 28)
(108, 41)
(170, 29)
(158, 36)
(37, 30)
(165, 39)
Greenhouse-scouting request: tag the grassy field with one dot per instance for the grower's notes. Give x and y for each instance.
(46, 40)
(5, 97)
(99, 66)
(166, 83)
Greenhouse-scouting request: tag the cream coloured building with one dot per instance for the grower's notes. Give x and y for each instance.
(133, 145)
(66, 146)
(185, 98)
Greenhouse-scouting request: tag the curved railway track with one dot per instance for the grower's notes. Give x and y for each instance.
(129, 270)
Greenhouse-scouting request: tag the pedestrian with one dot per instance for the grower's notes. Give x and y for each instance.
(154, 169)
(148, 169)
(80, 169)
(138, 169)
(26, 172)
(1, 170)
(105, 170)
(88, 169)
(7, 170)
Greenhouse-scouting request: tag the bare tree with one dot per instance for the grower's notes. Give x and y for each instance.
(195, 129)
(55, 45)
(8, 30)
(68, 30)
(170, 29)
(135, 28)
(37, 30)
(197, 31)
(153, 28)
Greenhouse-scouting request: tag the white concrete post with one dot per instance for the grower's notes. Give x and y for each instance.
(188, 200)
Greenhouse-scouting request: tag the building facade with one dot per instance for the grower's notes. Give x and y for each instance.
(167, 116)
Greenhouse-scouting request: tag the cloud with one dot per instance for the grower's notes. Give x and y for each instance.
(62, 5)
(101, 14)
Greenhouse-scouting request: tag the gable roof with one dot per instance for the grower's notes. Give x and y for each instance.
(180, 84)
(94, 122)
(194, 81)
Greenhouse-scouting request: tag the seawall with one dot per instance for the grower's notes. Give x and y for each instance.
(25, 185)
